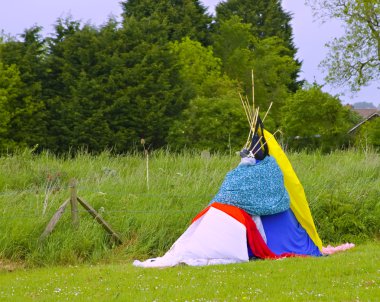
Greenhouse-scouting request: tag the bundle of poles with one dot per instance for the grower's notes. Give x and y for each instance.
(252, 115)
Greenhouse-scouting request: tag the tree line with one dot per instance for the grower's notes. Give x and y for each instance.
(169, 73)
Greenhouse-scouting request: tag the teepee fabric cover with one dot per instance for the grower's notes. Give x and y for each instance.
(298, 202)
(285, 234)
(223, 233)
(218, 235)
(213, 238)
(257, 188)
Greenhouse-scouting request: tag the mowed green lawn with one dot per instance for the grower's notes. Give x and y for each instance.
(353, 275)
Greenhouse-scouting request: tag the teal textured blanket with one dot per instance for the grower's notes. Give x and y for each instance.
(257, 189)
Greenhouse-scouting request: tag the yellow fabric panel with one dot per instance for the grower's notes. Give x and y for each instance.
(298, 202)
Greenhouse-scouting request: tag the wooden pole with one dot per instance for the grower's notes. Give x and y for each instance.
(74, 203)
(147, 169)
(100, 220)
(53, 221)
(253, 91)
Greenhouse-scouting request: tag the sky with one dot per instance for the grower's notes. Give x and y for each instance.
(310, 36)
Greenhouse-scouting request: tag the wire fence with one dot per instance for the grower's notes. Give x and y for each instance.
(88, 191)
(34, 212)
(131, 212)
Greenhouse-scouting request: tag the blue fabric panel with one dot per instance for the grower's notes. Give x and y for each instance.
(285, 235)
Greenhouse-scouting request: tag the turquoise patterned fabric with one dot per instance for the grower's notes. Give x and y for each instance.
(257, 189)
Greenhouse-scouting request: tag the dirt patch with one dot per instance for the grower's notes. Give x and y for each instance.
(10, 266)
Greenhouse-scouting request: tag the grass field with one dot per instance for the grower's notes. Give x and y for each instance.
(353, 275)
(343, 190)
(151, 210)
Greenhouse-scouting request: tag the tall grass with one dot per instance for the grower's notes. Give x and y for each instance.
(343, 189)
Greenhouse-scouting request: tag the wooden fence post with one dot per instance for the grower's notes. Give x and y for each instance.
(74, 203)
(115, 236)
(74, 200)
(53, 221)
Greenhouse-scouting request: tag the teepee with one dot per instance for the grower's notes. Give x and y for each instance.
(260, 211)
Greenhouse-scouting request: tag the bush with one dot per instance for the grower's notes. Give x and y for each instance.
(369, 135)
(313, 119)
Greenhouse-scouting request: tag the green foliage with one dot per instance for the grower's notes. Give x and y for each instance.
(312, 118)
(215, 124)
(273, 67)
(342, 190)
(10, 82)
(200, 70)
(267, 19)
(151, 101)
(171, 19)
(105, 88)
(115, 88)
(368, 135)
(271, 61)
(27, 124)
(231, 43)
(75, 88)
(17, 110)
(354, 58)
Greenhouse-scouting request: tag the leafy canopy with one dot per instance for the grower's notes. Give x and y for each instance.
(215, 124)
(314, 118)
(354, 58)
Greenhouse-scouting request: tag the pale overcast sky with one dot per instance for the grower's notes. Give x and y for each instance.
(309, 37)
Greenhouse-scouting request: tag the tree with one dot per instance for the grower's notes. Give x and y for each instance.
(170, 19)
(28, 123)
(150, 99)
(72, 50)
(369, 134)
(215, 124)
(10, 83)
(112, 86)
(312, 119)
(267, 19)
(354, 58)
(17, 111)
(232, 43)
(270, 60)
(200, 70)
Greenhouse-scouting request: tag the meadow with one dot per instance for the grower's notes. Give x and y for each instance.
(150, 202)
(353, 275)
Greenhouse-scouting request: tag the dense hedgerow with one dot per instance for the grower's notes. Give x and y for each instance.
(151, 207)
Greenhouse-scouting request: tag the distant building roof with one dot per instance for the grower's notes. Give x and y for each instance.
(366, 113)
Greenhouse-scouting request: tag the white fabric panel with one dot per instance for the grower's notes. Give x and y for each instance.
(260, 227)
(215, 238)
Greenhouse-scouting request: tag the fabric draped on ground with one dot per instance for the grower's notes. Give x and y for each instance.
(329, 250)
(220, 235)
(214, 238)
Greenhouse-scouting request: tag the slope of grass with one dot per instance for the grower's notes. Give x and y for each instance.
(343, 189)
(353, 275)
